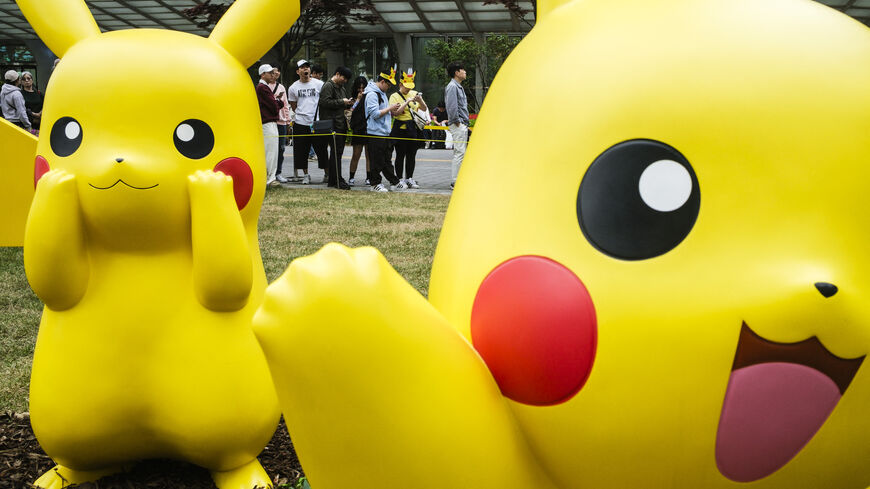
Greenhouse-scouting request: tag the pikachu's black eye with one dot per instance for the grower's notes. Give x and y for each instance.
(639, 199)
(66, 136)
(194, 139)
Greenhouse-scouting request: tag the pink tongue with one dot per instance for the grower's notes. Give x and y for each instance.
(771, 411)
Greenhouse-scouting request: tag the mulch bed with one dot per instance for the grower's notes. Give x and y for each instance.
(22, 461)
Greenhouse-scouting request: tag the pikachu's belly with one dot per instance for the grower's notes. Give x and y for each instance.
(136, 371)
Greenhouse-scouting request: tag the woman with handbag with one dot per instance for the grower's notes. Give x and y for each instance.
(407, 125)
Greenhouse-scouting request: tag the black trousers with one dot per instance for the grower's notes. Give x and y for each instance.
(282, 145)
(336, 150)
(379, 150)
(302, 146)
(406, 151)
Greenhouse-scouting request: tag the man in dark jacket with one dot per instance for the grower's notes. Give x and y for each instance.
(333, 102)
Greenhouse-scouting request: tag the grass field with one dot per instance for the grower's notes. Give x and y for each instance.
(293, 223)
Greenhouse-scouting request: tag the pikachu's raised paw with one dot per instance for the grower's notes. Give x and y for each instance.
(57, 179)
(207, 184)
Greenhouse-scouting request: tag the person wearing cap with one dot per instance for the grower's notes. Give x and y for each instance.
(12, 102)
(405, 129)
(269, 107)
(303, 96)
(378, 121)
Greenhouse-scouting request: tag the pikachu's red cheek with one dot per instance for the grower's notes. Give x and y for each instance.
(40, 168)
(533, 322)
(243, 179)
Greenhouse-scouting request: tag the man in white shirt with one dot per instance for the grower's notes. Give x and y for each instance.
(303, 96)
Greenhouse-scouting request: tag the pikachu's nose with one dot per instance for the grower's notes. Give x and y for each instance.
(826, 289)
(119, 160)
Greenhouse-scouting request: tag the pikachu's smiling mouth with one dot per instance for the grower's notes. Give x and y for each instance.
(779, 395)
(123, 183)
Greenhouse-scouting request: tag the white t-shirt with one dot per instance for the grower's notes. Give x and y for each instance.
(306, 96)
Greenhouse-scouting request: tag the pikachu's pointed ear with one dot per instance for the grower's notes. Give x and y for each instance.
(547, 6)
(59, 23)
(251, 27)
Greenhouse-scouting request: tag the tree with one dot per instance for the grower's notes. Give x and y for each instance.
(485, 58)
(514, 8)
(316, 16)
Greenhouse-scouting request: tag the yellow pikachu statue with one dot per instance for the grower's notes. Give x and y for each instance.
(662, 280)
(142, 243)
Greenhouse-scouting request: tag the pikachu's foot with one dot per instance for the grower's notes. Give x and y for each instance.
(248, 476)
(60, 477)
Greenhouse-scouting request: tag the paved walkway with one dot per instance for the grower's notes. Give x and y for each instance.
(432, 172)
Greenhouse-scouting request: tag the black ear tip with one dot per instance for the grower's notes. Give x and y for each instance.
(826, 289)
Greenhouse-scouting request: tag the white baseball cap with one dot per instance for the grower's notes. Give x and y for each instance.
(11, 76)
(302, 62)
(265, 68)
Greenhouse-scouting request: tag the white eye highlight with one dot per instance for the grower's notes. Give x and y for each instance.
(72, 130)
(184, 132)
(665, 185)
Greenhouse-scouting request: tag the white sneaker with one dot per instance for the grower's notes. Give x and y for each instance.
(282, 179)
(399, 186)
(351, 181)
(379, 188)
(411, 183)
(270, 181)
(306, 179)
(368, 182)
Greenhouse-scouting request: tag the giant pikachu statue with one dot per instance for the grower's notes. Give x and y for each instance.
(661, 279)
(142, 243)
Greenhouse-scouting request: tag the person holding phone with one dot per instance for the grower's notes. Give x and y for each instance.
(405, 129)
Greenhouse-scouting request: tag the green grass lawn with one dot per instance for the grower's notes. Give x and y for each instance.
(293, 223)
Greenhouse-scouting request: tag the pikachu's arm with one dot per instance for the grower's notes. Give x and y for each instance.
(222, 269)
(55, 256)
(377, 388)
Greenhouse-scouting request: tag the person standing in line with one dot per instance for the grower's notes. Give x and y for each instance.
(333, 102)
(303, 95)
(457, 115)
(405, 129)
(269, 108)
(379, 119)
(358, 126)
(317, 72)
(439, 118)
(283, 124)
(12, 102)
(33, 99)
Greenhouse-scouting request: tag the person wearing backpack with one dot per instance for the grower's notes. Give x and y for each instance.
(378, 121)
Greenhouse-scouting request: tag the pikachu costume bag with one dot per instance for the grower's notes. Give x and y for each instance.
(670, 290)
(142, 243)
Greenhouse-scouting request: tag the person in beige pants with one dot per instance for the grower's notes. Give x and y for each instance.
(457, 115)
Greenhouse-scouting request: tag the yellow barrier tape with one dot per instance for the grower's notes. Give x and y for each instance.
(365, 136)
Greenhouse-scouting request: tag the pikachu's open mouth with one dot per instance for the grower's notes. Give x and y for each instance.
(779, 395)
(123, 183)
